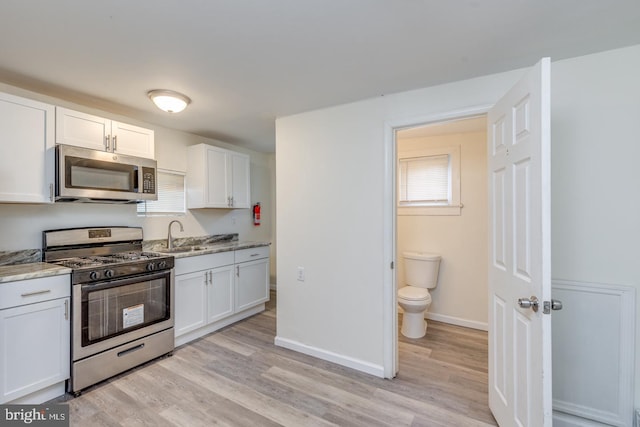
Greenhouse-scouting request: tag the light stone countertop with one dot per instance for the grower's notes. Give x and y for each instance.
(214, 248)
(34, 270)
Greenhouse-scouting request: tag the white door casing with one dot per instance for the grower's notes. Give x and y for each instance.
(519, 252)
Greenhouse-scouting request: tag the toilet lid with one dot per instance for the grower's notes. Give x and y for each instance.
(414, 293)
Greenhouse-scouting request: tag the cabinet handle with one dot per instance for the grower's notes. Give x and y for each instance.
(51, 192)
(108, 142)
(238, 270)
(232, 201)
(30, 294)
(206, 281)
(252, 255)
(210, 277)
(66, 309)
(115, 142)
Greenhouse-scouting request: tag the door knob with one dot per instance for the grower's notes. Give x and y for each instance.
(531, 303)
(554, 304)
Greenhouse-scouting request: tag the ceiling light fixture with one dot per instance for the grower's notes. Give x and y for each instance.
(168, 100)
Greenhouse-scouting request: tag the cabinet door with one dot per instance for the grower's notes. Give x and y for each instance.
(220, 293)
(241, 191)
(218, 179)
(34, 347)
(26, 150)
(252, 283)
(82, 130)
(190, 301)
(132, 140)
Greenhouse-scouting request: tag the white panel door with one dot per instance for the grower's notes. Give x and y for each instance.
(132, 140)
(82, 130)
(220, 293)
(26, 150)
(519, 265)
(252, 283)
(34, 347)
(218, 179)
(191, 301)
(241, 192)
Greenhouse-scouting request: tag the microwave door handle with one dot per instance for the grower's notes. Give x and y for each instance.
(136, 179)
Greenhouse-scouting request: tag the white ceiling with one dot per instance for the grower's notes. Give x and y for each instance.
(246, 62)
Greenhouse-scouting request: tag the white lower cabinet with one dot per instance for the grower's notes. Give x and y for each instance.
(215, 290)
(203, 297)
(34, 339)
(252, 277)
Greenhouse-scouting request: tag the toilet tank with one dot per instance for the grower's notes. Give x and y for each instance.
(421, 269)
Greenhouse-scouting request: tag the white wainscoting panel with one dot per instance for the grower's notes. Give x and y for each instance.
(593, 353)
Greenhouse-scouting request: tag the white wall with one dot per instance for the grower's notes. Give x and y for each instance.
(21, 226)
(595, 176)
(461, 294)
(330, 196)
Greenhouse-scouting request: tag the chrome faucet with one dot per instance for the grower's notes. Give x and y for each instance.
(169, 236)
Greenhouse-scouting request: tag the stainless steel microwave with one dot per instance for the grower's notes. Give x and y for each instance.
(85, 175)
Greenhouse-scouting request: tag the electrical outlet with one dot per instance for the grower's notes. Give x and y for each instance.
(300, 274)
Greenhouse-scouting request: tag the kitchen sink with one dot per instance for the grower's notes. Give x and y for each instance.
(183, 249)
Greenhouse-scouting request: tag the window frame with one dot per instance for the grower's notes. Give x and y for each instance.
(453, 206)
(183, 212)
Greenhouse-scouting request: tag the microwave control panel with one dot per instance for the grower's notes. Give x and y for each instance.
(148, 180)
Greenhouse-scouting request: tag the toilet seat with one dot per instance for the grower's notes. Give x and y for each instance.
(413, 293)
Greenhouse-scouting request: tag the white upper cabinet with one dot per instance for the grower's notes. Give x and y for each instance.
(217, 178)
(26, 150)
(85, 130)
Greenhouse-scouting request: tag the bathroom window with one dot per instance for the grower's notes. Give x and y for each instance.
(171, 196)
(429, 182)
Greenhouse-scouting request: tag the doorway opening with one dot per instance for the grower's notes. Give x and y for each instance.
(441, 210)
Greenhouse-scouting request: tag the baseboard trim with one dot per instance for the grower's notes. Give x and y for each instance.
(483, 326)
(41, 396)
(349, 362)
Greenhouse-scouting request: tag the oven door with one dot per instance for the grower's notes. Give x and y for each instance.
(111, 313)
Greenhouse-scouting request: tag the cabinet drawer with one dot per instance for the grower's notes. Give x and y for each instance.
(251, 254)
(203, 262)
(30, 291)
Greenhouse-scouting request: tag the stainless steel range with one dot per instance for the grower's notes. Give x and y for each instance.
(122, 300)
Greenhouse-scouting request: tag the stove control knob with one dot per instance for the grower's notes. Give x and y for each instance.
(108, 274)
(162, 265)
(151, 266)
(94, 275)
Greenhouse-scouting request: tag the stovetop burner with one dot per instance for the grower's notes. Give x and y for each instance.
(99, 254)
(97, 261)
(133, 256)
(83, 262)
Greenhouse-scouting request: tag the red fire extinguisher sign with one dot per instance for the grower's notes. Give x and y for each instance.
(256, 214)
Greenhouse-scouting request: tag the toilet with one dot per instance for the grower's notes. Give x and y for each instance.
(421, 274)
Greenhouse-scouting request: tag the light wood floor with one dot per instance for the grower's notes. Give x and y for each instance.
(237, 377)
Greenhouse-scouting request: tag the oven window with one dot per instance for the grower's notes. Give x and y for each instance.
(86, 173)
(112, 311)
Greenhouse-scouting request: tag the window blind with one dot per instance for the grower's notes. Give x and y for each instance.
(424, 180)
(171, 195)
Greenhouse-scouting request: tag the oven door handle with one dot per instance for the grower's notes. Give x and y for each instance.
(125, 281)
(130, 350)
